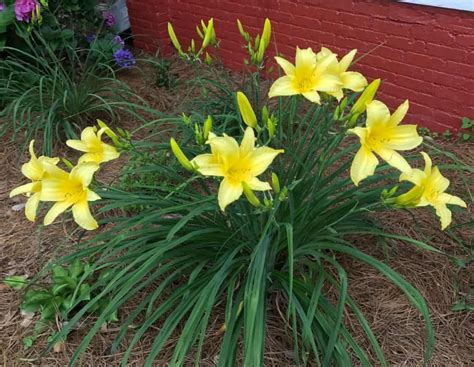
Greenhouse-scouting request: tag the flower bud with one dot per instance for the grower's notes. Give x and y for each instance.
(366, 97)
(108, 131)
(265, 40)
(207, 127)
(246, 110)
(275, 183)
(178, 153)
(174, 39)
(271, 126)
(250, 195)
(208, 35)
(208, 59)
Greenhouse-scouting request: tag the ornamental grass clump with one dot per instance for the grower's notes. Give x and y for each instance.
(237, 224)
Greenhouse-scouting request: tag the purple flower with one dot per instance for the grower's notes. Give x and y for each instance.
(91, 38)
(124, 58)
(109, 18)
(118, 40)
(2, 6)
(24, 8)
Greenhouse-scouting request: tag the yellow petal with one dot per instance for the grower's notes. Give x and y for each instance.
(393, 158)
(84, 172)
(229, 192)
(438, 181)
(248, 142)
(109, 153)
(77, 145)
(361, 132)
(225, 147)
(377, 114)
(416, 176)
(246, 110)
(56, 209)
(428, 163)
(346, 61)
(83, 216)
(444, 215)
(207, 165)
(92, 196)
(305, 59)
(399, 114)
(88, 135)
(53, 189)
(363, 165)
(23, 189)
(32, 206)
(353, 81)
(31, 149)
(261, 158)
(323, 53)
(288, 67)
(255, 184)
(283, 86)
(327, 83)
(410, 198)
(313, 96)
(403, 137)
(451, 200)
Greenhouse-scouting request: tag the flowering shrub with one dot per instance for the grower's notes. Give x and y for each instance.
(239, 224)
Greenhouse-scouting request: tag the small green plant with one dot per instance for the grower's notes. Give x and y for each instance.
(55, 301)
(468, 129)
(164, 78)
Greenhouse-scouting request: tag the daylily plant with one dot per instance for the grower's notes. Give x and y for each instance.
(236, 164)
(35, 171)
(429, 189)
(384, 136)
(307, 77)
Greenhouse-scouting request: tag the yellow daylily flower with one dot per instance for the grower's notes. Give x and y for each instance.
(70, 190)
(348, 79)
(91, 143)
(35, 171)
(307, 77)
(384, 136)
(429, 189)
(236, 164)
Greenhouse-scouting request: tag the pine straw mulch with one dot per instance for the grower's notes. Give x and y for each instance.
(24, 249)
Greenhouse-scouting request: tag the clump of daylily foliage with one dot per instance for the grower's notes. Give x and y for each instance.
(196, 243)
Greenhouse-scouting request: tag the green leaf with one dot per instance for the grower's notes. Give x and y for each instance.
(75, 269)
(16, 282)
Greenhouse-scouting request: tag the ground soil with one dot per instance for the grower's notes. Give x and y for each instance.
(25, 248)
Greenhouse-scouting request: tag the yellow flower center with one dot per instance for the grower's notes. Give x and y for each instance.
(238, 174)
(73, 191)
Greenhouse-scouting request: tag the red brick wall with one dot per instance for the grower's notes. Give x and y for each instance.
(427, 54)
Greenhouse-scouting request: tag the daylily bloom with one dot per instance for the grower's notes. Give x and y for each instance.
(35, 171)
(429, 189)
(348, 79)
(91, 143)
(307, 77)
(384, 136)
(237, 165)
(70, 190)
